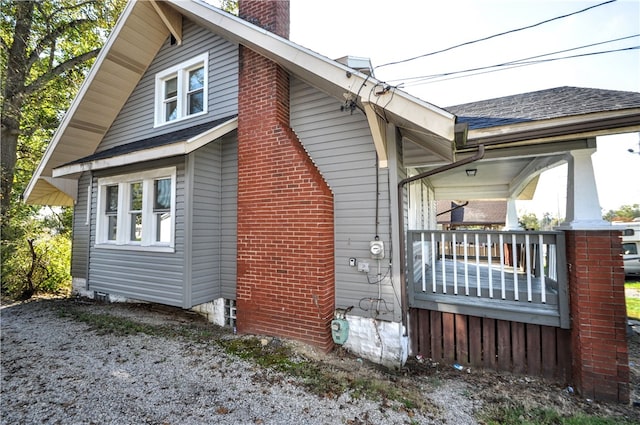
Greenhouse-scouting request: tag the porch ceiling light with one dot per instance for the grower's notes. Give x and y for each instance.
(471, 172)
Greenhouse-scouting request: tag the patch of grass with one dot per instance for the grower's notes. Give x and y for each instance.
(321, 380)
(633, 303)
(110, 324)
(632, 285)
(633, 307)
(511, 414)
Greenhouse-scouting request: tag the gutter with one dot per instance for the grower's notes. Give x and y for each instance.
(403, 284)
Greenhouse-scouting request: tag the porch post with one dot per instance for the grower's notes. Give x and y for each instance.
(600, 365)
(511, 220)
(583, 205)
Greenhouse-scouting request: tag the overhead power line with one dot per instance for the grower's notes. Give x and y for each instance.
(517, 62)
(507, 65)
(494, 35)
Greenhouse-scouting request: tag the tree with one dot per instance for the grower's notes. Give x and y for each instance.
(529, 221)
(624, 213)
(46, 49)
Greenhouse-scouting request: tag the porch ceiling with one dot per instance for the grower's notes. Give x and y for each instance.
(502, 173)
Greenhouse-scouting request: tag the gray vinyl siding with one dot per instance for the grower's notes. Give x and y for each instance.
(143, 275)
(204, 258)
(136, 119)
(81, 226)
(340, 144)
(229, 216)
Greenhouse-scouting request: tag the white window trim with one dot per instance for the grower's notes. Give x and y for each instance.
(122, 241)
(181, 71)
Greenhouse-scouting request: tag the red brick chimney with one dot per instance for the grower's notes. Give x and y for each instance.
(285, 283)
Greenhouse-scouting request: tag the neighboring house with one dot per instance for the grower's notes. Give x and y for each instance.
(215, 165)
(471, 214)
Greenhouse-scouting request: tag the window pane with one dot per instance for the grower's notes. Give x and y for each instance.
(163, 227)
(162, 194)
(136, 227)
(171, 110)
(112, 199)
(171, 88)
(195, 102)
(136, 196)
(196, 79)
(112, 228)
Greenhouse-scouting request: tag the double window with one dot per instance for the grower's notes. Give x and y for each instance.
(181, 91)
(137, 209)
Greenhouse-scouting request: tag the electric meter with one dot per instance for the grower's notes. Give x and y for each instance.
(376, 248)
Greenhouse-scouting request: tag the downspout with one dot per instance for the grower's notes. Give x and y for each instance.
(403, 284)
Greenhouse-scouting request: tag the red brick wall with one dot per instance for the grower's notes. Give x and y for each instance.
(272, 15)
(285, 283)
(598, 315)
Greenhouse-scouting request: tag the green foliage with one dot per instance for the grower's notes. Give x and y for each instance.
(36, 259)
(46, 50)
(624, 213)
(529, 221)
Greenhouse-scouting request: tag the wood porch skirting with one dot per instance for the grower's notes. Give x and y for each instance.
(492, 344)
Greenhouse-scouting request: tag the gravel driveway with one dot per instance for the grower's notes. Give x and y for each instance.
(58, 370)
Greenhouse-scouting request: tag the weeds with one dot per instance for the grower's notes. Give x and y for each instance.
(507, 413)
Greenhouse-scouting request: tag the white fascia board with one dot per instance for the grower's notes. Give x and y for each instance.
(120, 160)
(304, 62)
(181, 147)
(44, 162)
(482, 133)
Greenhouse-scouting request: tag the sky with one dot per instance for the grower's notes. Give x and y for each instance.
(389, 31)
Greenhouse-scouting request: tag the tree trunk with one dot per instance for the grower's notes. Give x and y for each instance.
(13, 99)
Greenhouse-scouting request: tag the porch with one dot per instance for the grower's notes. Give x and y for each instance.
(491, 299)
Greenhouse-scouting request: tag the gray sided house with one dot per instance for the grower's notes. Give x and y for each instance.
(199, 139)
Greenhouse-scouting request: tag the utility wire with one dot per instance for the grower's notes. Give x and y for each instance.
(411, 80)
(509, 65)
(494, 36)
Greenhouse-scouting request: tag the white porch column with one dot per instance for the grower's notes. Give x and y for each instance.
(583, 205)
(511, 221)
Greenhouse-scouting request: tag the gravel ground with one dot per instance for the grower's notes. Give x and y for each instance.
(57, 370)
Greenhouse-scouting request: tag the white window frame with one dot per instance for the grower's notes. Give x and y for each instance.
(181, 72)
(123, 232)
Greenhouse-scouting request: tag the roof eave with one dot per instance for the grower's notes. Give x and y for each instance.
(556, 129)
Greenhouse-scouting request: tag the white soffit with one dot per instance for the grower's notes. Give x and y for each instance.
(132, 45)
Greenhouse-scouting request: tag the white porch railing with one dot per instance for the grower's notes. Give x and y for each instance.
(518, 276)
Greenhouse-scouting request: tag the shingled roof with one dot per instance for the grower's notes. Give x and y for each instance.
(541, 105)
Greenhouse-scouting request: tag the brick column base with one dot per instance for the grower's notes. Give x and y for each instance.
(598, 314)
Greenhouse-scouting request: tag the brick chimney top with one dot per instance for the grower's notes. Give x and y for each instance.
(272, 15)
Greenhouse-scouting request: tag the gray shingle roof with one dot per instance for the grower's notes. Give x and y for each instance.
(544, 104)
(152, 142)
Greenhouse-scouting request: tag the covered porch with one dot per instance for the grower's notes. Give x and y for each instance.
(540, 303)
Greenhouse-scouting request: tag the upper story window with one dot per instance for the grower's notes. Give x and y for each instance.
(181, 91)
(137, 210)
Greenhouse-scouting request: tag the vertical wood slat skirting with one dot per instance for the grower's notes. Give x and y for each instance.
(500, 345)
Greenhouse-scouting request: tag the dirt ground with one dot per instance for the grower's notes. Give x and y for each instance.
(483, 387)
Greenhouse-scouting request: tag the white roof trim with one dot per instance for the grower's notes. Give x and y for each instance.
(181, 147)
